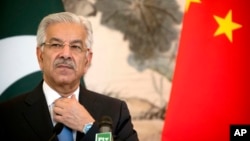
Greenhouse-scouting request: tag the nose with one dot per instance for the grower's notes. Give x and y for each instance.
(66, 52)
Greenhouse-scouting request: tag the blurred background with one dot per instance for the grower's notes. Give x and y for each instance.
(134, 51)
(135, 45)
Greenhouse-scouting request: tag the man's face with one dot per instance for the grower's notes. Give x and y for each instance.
(64, 58)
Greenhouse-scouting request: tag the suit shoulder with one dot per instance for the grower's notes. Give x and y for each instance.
(16, 102)
(103, 97)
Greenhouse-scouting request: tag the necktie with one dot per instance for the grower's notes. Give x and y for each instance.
(65, 135)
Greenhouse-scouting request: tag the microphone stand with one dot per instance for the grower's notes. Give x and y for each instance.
(57, 129)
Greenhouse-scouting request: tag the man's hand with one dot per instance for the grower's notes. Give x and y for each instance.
(71, 113)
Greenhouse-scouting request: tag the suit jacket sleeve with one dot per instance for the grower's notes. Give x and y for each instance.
(122, 129)
(125, 130)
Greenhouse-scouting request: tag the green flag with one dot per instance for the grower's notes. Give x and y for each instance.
(20, 71)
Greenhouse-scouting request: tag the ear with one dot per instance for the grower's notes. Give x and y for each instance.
(39, 55)
(89, 55)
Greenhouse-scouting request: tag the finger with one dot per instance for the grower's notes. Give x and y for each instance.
(57, 118)
(60, 103)
(57, 111)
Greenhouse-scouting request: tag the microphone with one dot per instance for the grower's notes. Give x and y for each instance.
(105, 128)
(105, 124)
(56, 130)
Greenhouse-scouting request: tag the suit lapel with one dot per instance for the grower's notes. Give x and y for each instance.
(88, 101)
(37, 113)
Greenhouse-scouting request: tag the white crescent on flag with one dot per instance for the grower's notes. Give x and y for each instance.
(17, 59)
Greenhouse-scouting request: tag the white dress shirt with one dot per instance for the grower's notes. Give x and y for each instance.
(51, 95)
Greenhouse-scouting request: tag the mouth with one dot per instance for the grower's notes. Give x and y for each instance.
(64, 66)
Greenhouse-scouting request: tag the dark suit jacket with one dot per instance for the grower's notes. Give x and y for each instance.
(26, 117)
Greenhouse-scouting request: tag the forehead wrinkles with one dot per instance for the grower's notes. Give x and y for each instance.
(69, 31)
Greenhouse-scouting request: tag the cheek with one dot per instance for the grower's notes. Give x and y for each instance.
(48, 62)
(82, 64)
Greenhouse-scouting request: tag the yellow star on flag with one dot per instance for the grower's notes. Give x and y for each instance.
(188, 2)
(226, 26)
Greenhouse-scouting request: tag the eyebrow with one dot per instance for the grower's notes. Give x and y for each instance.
(55, 39)
(71, 42)
(76, 41)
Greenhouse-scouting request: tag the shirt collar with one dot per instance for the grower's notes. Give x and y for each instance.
(51, 95)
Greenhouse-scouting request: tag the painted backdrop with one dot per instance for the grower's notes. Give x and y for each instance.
(135, 45)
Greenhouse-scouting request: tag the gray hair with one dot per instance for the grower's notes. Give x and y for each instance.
(64, 17)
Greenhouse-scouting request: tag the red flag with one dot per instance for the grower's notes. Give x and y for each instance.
(211, 85)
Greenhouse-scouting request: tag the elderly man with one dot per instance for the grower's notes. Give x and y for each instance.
(64, 54)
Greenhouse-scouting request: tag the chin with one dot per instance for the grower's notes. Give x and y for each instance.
(64, 81)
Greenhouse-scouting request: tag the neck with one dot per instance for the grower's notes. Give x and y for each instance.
(64, 90)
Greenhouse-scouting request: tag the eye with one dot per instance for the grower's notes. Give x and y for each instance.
(76, 47)
(56, 45)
